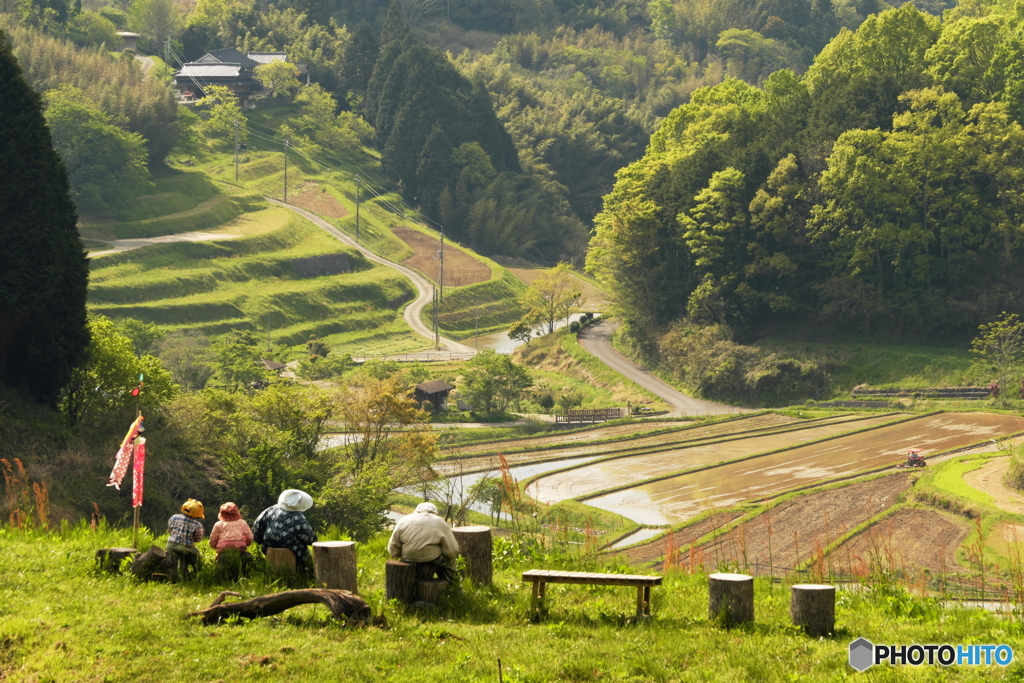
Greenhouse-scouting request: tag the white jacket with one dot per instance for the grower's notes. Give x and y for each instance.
(422, 537)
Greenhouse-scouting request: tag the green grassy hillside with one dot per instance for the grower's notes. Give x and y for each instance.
(234, 282)
(216, 286)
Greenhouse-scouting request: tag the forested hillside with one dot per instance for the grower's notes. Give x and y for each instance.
(879, 192)
(575, 90)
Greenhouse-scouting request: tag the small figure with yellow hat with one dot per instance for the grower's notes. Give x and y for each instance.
(185, 530)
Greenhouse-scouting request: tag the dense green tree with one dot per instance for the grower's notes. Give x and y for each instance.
(114, 85)
(491, 382)
(106, 164)
(238, 355)
(100, 388)
(43, 269)
(277, 78)
(1000, 347)
(555, 295)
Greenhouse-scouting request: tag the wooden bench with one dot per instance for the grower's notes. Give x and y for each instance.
(541, 577)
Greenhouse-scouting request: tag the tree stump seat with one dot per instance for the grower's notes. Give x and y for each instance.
(281, 562)
(813, 607)
(109, 559)
(730, 598)
(334, 565)
(541, 577)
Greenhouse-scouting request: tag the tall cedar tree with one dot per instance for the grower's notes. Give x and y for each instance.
(43, 268)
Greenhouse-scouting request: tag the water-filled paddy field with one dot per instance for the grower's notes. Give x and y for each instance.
(676, 499)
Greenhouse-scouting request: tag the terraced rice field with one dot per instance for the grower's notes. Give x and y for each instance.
(584, 481)
(575, 436)
(660, 441)
(676, 499)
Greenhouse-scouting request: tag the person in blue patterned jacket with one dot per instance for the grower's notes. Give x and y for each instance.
(284, 526)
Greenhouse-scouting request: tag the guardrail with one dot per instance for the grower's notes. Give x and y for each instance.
(590, 415)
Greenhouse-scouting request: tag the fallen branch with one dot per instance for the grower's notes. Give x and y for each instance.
(341, 603)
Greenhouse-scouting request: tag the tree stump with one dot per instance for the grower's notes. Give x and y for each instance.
(813, 606)
(147, 563)
(281, 562)
(334, 563)
(109, 559)
(475, 545)
(430, 590)
(400, 581)
(731, 598)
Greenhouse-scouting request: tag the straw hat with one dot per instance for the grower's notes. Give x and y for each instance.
(228, 513)
(294, 500)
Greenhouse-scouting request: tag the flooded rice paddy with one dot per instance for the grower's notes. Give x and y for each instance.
(676, 499)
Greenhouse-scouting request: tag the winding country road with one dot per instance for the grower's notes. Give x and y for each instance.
(423, 285)
(597, 340)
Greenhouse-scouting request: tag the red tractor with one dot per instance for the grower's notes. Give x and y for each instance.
(914, 459)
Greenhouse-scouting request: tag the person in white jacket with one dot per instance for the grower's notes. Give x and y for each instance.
(425, 539)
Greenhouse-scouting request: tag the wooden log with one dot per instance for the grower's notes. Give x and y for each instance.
(145, 564)
(334, 563)
(431, 590)
(813, 606)
(475, 545)
(109, 559)
(400, 581)
(731, 598)
(281, 561)
(341, 603)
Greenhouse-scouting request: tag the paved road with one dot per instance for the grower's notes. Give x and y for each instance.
(597, 340)
(422, 284)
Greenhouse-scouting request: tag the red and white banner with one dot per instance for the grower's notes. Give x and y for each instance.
(137, 472)
(124, 455)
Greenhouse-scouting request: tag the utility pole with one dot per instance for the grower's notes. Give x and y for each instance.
(359, 196)
(236, 151)
(286, 171)
(437, 341)
(441, 277)
(167, 49)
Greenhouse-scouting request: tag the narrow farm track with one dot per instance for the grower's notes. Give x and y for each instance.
(597, 340)
(423, 286)
(138, 243)
(989, 479)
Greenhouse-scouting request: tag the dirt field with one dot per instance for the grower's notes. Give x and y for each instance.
(798, 527)
(594, 299)
(598, 476)
(459, 268)
(912, 538)
(989, 478)
(680, 498)
(310, 198)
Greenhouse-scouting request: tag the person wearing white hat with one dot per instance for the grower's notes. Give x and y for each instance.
(284, 526)
(426, 540)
